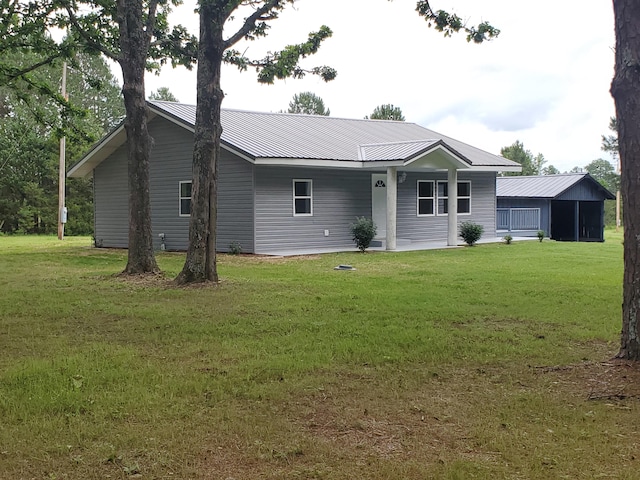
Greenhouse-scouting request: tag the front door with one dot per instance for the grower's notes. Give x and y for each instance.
(379, 203)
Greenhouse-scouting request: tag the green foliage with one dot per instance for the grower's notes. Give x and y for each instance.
(363, 231)
(471, 232)
(540, 235)
(610, 142)
(550, 170)
(163, 94)
(387, 112)
(530, 165)
(29, 146)
(605, 173)
(235, 248)
(308, 103)
(449, 24)
(507, 239)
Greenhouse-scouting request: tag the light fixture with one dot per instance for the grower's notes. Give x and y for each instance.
(402, 177)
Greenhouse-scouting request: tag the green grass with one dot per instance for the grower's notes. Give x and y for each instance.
(416, 365)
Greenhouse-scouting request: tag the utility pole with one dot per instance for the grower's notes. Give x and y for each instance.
(62, 210)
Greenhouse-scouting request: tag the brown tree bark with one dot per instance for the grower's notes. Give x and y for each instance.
(134, 45)
(625, 89)
(200, 264)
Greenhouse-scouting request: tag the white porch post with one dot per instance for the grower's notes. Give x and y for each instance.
(452, 207)
(392, 200)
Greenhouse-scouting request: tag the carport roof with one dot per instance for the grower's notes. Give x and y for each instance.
(544, 186)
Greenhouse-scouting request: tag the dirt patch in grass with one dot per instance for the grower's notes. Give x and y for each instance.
(611, 380)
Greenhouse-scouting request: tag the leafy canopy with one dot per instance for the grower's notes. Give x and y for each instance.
(308, 103)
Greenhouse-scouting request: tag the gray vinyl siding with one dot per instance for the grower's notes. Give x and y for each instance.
(235, 203)
(111, 201)
(171, 157)
(338, 197)
(428, 228)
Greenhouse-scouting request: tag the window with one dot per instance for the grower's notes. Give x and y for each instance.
(425, 198)
(302, 198)
(464, 197)
(442, 194)
(185, 199)
(443, 198)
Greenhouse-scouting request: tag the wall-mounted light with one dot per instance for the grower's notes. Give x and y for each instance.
(402, 177)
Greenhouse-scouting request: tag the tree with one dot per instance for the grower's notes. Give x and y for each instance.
(387, 112)
(625, 89)
(309, 104)
(550, 170)
(610, 142)
(29, 135)
(132, 33)
(517, 153)
(605, 173)
(163, 94)
(213, 50)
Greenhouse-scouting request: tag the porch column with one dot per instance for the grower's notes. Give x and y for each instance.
(452, 207)
(392, 201)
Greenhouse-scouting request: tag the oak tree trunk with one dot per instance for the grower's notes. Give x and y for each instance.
(625, 89)
(134, 48)
(200, 264)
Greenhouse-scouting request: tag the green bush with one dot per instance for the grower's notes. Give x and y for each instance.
(507, 239)
(540, 235)
(363, 231)
(235, 248)
(471, 232)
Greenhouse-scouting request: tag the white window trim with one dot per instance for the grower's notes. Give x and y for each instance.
(310, 197)
(447, 197)
(180, 198)
(433, 198)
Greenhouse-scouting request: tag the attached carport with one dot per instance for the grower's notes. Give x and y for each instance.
(567, 207)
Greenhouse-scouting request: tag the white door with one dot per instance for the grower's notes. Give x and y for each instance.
(379, 203)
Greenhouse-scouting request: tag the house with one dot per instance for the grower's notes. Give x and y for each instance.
(297, 182)
(566, 207)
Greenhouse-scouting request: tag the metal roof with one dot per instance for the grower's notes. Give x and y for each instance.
(287, 139)
(542, 186)
(284, 135)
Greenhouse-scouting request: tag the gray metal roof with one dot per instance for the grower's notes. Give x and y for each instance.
(543, 186)
(297, 136)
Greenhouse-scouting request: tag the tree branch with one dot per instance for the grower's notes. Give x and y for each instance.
(86, 36)
(261, 14)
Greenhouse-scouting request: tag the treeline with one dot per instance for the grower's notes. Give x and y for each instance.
(31, 124)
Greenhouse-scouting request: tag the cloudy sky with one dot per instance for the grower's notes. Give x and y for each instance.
(544, 81)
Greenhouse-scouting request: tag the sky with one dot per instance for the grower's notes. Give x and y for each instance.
(544, 81)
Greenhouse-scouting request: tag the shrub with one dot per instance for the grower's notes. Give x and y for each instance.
(235, 248)
(471, 232)
(507, 239)
(363, 231)
(540, 235)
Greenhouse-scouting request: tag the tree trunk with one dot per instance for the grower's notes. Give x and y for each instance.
(134, 47)
(626, 93)
(200, 264)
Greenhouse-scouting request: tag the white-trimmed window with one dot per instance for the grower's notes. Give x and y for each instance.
(464, 198)
(185, 198)
(302, 198)
(426, 198)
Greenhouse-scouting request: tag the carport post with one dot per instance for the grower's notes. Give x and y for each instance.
(577, 225)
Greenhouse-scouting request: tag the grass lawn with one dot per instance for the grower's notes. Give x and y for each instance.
(485, 362)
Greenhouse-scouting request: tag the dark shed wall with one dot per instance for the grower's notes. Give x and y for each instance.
(543, 204)
(583, 191)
